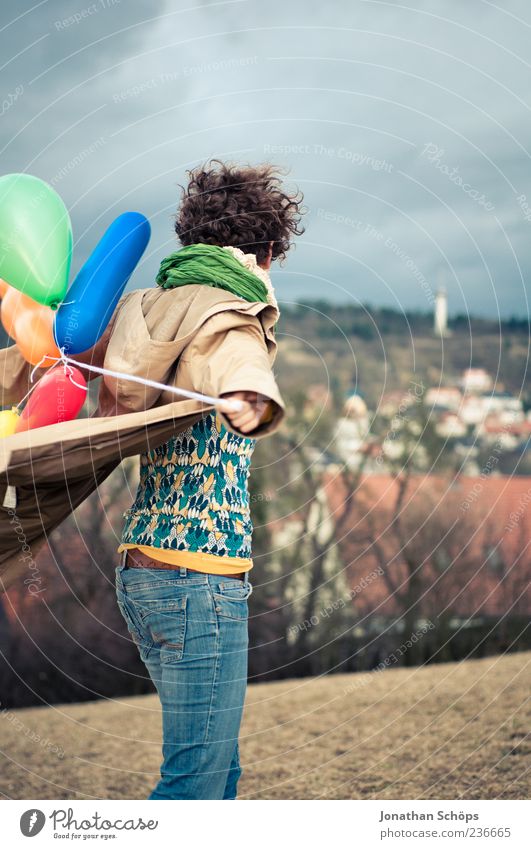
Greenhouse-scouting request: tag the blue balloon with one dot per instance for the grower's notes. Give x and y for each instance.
(92, 297)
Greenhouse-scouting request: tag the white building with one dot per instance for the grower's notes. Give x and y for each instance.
(450, 426)
(440, 318)
(444, 396)
(506, 405)
(351, 430)
(476, 380)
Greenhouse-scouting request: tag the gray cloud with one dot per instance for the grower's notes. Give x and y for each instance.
(116, 101)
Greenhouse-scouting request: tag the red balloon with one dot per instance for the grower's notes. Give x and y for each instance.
(55, 399)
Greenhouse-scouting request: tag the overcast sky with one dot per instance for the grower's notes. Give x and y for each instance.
(406, 126)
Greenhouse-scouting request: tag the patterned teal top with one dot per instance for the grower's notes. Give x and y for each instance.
(193, 493)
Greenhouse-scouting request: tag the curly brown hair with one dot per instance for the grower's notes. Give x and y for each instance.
(243, 206)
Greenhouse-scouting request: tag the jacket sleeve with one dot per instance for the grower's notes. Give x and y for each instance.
(229, 354)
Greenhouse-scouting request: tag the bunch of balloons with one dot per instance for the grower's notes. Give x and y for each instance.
(38, 311)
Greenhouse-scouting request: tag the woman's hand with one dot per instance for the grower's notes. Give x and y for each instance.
(252, 408)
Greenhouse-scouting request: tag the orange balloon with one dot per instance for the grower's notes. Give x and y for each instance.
(4, 287)
(34, 335)
(12, 303)
(30, 324)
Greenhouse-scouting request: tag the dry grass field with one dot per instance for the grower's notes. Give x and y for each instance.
(441, 732)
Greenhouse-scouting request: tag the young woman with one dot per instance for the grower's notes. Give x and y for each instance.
(182, 583)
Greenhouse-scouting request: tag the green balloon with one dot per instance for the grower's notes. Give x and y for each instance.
(35, 238)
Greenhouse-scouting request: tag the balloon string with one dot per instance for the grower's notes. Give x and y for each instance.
(68, 371)
(26, 396)
(38, 366)
(222, 403)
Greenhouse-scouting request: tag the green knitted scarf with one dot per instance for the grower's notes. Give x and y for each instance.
(213, 266)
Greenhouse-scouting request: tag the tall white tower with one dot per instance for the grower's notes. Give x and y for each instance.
(440, 317)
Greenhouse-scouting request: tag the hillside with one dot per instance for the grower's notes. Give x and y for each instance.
(380, 350)
(440, 732)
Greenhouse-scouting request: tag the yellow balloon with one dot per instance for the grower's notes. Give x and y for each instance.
(8, 421)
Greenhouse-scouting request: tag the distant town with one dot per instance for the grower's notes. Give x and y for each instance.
(468, 414)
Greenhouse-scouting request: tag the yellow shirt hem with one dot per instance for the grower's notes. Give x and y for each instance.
(198, 561)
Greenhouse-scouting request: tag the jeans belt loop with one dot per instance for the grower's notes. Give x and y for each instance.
(183, 571)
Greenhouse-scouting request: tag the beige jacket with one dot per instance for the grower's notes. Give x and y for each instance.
(194, 337)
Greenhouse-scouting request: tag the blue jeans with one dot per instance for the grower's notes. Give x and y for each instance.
(191, 631)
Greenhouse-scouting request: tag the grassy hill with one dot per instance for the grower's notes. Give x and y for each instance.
(440, 732)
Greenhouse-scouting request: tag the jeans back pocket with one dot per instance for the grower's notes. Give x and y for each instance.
(165, 622)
